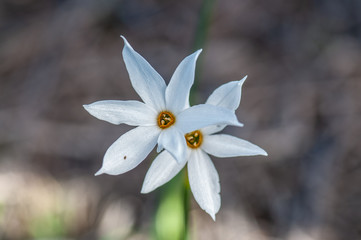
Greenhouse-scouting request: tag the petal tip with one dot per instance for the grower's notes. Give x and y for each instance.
(240, 82)
(196, 54)
(213, 216)
(126, 43)
(238, 124)
(87, 107)
(101, 171)
(159, 148)
(144, 190)
(261, 152)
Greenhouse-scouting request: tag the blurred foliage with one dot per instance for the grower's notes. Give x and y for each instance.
(51, 225)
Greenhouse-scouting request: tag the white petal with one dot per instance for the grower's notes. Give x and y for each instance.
(177, 92)
(129, 150)
(213, 129)
(223, 145)
(203, 115)
(204, 182)
(172, 140)
(133, 113)
(163, 169)
(228, 95)
(149, 85)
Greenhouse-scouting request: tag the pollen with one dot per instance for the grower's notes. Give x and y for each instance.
(165, 119)
(194, 139)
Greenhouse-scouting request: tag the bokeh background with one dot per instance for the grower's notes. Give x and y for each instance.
(301, 103)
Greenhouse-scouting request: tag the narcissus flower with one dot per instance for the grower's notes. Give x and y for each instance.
(163, 118)
(203, 176)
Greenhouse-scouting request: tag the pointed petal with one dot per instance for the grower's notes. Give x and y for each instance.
(133, 113)
(204, 182)
(203, 115)
(129, 150)
(223, 145)
(228, 95)
(149, 85)
(163, 169)
(172, 140)
(177, 92)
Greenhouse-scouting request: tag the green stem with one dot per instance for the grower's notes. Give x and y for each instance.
(186, 201)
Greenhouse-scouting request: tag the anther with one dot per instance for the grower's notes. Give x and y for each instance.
(165, 119)
(194, 139)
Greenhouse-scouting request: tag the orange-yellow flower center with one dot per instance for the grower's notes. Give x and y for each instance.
(165, 119)
(194, 139)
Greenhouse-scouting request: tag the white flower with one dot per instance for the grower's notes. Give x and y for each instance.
(203, 177)
(163, 118)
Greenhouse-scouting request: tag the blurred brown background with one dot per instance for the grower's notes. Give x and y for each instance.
(301, 103)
